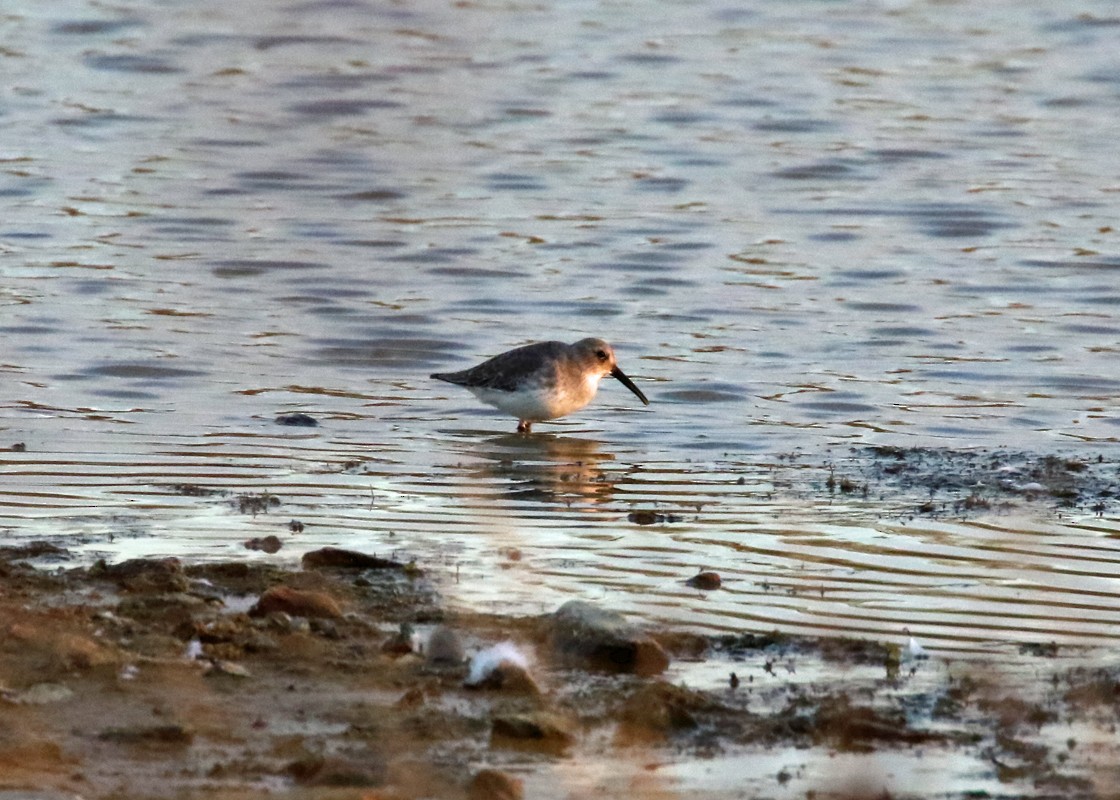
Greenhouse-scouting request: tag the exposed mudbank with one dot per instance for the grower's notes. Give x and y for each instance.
(151, 678)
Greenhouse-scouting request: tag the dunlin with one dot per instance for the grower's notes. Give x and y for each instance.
(542, 381)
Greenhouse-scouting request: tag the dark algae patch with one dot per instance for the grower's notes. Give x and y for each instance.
(936, 482)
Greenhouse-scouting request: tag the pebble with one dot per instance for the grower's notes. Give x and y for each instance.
(298, 419)
(444, 647)
(705, 580)
(266, 544)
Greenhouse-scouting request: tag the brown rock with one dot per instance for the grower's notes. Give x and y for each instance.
(492, 784)
(705, 580)
(337, 558)
(297, 603)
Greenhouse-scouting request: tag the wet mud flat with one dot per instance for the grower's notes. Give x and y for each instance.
(933, 482)
(346, 677)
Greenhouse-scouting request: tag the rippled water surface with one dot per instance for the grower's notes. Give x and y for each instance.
(807, 227)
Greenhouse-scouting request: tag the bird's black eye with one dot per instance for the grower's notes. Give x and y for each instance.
(602, 355)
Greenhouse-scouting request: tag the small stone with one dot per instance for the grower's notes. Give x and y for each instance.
(705, 580)
(297, 603)
(444, 647)
(298, 420)
(492, 784)
(266, 544)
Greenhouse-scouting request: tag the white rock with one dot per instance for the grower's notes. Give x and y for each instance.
(484, 662)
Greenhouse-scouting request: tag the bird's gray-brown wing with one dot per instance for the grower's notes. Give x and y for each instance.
(507, 371)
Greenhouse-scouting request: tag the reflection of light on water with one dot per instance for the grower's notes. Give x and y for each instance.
(785, 774)
(558, 470)
(520, 524)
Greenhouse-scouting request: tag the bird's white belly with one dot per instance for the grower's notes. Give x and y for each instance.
(536, 402)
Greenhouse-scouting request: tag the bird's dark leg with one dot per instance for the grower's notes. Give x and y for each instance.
(523, 426)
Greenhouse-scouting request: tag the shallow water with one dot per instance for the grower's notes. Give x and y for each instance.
(805, 227)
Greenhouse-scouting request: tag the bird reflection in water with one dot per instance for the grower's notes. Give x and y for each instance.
(548, 468)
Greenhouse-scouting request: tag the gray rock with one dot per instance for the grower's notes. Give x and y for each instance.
(444, 647)
(591, 637)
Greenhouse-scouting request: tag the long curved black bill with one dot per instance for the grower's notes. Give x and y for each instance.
(629, 384)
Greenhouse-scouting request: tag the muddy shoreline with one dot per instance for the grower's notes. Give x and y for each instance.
(154, 678)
